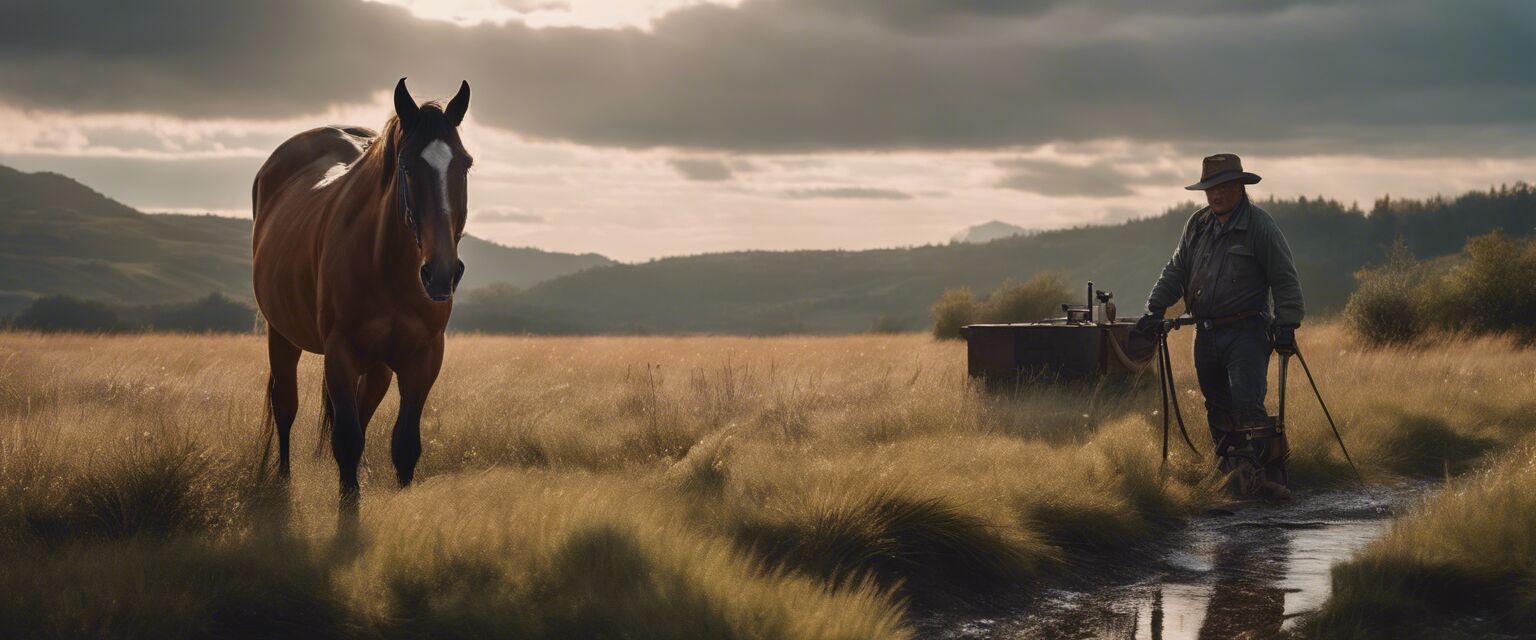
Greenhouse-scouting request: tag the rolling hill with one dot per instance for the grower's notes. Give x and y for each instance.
(58, 236)
(842, 291)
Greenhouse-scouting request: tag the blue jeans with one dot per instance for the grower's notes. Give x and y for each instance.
(1232, 364)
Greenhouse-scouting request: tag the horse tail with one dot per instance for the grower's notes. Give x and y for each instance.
(268, 427)
(327, 420)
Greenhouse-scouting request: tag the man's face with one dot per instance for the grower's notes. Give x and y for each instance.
(1224, 197)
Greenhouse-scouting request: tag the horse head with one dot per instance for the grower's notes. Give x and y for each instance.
(431, 180)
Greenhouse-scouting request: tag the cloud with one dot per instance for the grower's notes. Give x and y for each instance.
(1391, 77)
(702, 169)
(847, 193)
(1099, 179)
(507, 215)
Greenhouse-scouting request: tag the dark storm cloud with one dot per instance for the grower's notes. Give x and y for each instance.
(1099, 179)
(847, 193)
(1388, 76)
(702, 169)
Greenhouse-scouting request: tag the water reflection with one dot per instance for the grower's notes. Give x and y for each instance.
(1245, 599)
(1248, 575)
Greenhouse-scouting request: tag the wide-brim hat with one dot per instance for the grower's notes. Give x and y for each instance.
(1222, 167)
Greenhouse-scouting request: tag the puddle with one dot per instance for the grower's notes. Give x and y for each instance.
(1244, 573)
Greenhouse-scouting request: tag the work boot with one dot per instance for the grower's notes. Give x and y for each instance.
(1243, 479)
(1271, 491)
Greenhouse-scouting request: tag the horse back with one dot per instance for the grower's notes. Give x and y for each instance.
(290, 207)
(304, 160)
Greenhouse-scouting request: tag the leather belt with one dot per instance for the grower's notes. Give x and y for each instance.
(1208, 323)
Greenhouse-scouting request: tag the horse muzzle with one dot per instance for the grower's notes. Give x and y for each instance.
(440, 286)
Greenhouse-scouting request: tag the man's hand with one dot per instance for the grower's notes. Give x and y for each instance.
(1284, 339)
(1150, 324)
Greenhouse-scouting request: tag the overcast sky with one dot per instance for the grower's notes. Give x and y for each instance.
(643, 128)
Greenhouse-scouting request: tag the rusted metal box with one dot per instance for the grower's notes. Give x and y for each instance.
(1010, 354)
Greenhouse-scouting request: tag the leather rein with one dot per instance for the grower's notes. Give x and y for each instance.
(403, 196)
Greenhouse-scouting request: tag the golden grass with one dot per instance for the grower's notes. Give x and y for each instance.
(798, 487)
(1469, 549)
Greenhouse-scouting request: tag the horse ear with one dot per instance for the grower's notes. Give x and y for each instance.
(458, 105)
(405, 105)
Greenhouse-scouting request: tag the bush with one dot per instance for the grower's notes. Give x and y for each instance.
(1489, 291)
(63, 313)
(214, 312)
(954, 309)
(1493, 290)
(1384, 309)
(1038, 298)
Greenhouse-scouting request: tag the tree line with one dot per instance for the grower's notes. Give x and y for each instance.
(213, 313)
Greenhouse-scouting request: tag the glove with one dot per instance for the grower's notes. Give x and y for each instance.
(1150, 324)
(1284, 339)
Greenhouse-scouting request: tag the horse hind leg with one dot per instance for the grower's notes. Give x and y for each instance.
(282, 395)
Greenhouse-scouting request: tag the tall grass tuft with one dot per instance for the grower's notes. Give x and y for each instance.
(897, 537)
(1469, 549)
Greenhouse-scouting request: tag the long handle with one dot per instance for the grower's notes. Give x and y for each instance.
(1285, 361)
(1328, 415)
(1162, 389)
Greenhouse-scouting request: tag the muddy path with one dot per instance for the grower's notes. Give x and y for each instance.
(1249, 570)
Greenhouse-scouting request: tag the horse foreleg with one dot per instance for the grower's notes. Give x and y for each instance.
(341, 378)
(370, 392)
(415, 383)
(282, 392)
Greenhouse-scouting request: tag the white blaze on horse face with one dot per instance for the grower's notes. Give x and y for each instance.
(438, 155)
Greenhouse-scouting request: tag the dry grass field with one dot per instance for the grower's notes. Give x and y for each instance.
(1469, 549)
(640, 487)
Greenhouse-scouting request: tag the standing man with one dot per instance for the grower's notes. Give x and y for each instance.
(1231, 259)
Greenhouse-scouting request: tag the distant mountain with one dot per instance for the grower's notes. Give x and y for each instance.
(843, 291)
(989, 231)
(58, 236)
(487, 263)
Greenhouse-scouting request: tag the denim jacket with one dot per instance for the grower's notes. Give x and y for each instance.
(1226, 270)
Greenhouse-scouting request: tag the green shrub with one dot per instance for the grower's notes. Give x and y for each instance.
(1489, 290)
(1384, 309)
(214, 312)
(1038, 298)
(1035, 299)
(1493, 290)
(955, 309)
(64, 313)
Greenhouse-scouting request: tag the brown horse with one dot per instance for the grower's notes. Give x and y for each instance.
(355, 257)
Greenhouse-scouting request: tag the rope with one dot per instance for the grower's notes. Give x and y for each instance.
(1125, 360)
(1170, 392)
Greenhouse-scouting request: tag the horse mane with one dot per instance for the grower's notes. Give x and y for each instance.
(431, 120)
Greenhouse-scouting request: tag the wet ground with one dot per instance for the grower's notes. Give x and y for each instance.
(1247, 571)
